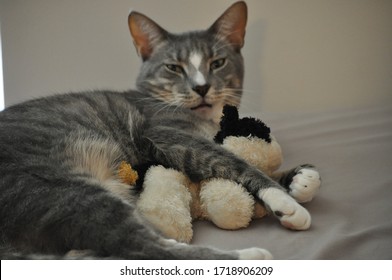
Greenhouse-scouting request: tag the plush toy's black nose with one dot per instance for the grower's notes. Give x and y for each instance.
(201, 90)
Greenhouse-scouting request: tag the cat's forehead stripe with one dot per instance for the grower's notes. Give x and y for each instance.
(195, 59)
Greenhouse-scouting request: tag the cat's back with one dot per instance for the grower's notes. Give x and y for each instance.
(41, 127)
(63, 113)
(74, 106)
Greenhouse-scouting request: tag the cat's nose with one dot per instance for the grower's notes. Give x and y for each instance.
(201, 90)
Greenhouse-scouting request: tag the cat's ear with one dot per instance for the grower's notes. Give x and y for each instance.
(231, 24)
(146, 34)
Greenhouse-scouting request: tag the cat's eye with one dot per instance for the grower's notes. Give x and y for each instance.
(175, 68)
(216, 64)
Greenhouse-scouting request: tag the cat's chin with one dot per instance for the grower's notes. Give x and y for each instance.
(208, 112)
(202, 106)
(203, 111)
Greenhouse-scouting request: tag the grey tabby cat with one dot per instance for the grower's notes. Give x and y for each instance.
(59, 188)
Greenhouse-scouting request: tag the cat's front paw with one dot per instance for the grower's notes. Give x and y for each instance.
(305, 183)
(286, 209)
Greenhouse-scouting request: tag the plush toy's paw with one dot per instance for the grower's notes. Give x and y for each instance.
(165, 203)
(254, 254)
(286, 209)
(305, 183)
(176, 227)
(227, 204)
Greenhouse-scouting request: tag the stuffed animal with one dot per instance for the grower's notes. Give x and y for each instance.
(170, 201)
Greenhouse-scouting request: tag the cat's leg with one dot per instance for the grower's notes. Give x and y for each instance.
(201, 159)
(165, 203)
(301, 182)
(226, 203)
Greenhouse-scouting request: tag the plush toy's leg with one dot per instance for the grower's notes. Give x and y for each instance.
(226, 203)
(301, 182)
(165, 203)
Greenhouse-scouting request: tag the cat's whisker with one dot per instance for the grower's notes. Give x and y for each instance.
(241, 90)
(164, 107)
(180, 104)
(169, 106)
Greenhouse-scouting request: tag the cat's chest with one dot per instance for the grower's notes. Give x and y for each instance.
(208, 129)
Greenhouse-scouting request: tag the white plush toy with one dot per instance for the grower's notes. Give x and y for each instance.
(170, 201)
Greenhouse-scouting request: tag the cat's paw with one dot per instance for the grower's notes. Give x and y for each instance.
(254, 254)
(286, 209)
(305, 183)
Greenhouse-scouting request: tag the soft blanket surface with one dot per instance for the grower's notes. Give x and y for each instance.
(352, 213)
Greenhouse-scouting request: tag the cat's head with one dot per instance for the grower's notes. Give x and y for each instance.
(200, 70)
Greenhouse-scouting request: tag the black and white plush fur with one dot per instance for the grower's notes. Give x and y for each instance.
(59, 188)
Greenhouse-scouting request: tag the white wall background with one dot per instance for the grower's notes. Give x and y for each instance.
(301, 55)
